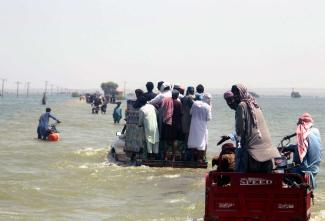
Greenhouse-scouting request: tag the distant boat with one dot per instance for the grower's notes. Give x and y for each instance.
(295, 94)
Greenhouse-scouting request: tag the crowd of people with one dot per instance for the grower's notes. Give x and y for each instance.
(98, 103)
(174, 116)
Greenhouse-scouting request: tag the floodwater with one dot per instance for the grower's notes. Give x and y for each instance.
(72, 179)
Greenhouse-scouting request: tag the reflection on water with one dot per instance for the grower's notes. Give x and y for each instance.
(72, 180)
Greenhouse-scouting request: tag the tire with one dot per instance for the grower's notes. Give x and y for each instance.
(114, 155)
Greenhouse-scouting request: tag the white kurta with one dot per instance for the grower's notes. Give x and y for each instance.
(148, 119)
(198, 136)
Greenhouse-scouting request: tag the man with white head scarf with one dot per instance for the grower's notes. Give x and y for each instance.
(198, 136)
(308, 150)
(165, 92)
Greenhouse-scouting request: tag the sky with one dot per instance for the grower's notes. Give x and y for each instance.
(79, 43)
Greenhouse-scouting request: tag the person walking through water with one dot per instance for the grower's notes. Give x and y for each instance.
(103, 108)
(43, 124)
(44, 98)
(117, 113)
(256, 151)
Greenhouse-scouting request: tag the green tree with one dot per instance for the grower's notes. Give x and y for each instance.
(109, 88)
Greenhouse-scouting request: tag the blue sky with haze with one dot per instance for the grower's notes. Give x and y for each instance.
(78, 44)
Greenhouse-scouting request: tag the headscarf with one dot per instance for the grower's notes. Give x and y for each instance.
(244, 96)
(228, 95)
(305, 122)
(207, 98)
(164, 86)
(179, 88)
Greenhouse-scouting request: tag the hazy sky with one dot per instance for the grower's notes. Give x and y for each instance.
(79, 44)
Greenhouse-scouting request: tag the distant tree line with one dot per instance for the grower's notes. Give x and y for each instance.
(109, 88)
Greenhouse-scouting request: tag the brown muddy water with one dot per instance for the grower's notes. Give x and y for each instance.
(72, 179)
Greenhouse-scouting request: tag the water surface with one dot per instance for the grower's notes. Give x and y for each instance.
(72, 180)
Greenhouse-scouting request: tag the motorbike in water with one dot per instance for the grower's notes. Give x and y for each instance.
(280, 195)
(53, 133)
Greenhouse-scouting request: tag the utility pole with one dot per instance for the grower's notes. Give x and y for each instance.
(18, 83)
(3, 86)
(45, 90)
(51, 89)
(27, 92)
(124, 89)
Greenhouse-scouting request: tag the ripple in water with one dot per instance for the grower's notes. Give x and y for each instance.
(89, 151)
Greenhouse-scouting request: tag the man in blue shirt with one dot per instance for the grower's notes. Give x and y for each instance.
(43, 124)
(308, 150)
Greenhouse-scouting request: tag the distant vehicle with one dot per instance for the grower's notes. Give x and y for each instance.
(295, 94)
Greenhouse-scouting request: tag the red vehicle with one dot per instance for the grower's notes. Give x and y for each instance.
(278, 196)
(257, 196)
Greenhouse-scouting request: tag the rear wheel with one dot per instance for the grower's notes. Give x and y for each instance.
(113, 154)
